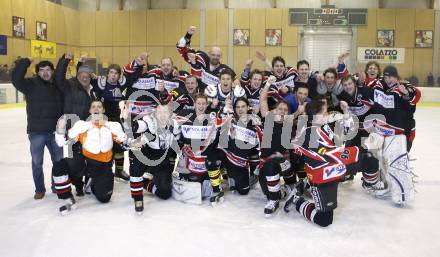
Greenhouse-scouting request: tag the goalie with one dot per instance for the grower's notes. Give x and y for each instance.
(396, 102)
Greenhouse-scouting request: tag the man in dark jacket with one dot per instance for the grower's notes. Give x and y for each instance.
(77, 92)
(43, 108)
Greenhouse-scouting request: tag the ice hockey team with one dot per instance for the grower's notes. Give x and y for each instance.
(208, 133)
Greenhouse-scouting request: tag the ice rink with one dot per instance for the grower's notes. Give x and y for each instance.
(363, 226)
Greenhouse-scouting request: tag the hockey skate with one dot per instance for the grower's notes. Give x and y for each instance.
(295, 195)
(122, 176)
(271, 208)
(88, 186)
(139, 207)
(285, 191)
(68, 206)
(379, 189)
(216, 197)
(253, 180)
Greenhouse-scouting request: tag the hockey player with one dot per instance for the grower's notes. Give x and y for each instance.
(109, 89)
(360, 104)
(252, 81)
(326, 164)
(167, 74)
(159, 135)
(96, 137)
(275, 158)
(298, 98)
(396, 101)
(199, 139)
(240, 145)
(146, 91)
(224, 92)
(184, 97)
(206, 66)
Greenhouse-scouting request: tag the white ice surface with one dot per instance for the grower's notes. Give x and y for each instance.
(363, 226)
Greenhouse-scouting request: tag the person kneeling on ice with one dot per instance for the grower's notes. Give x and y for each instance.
(96, 136)
(157, 143)
(199, 139)
(326, 163)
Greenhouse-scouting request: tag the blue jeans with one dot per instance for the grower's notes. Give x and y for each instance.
(38, 142)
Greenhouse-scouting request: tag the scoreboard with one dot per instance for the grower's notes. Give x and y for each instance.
(328, 16)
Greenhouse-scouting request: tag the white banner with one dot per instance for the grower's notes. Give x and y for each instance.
(381, 54)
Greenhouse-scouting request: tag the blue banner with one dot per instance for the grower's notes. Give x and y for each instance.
(3, 45)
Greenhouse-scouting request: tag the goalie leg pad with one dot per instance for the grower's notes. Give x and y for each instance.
(187, 191)
(398, 175)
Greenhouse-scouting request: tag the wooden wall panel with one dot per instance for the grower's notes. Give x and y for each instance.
(271, 52)
(274, 18)
(171, 24)
(135, 51)
(138, 28)
(156, 54)
(289, 33)
(241, 18)
(104, 28)
(72, 27)
(6, 17)
(31, 10)
(190, 17)
(404, 36)
(155, 31)
(104, 55)
(61, 49)
(16, 48)
(211, 27)
(18, 8)
(290, 54)
(386, 18)
(422, 64)
(241, 55)
(87, 25)
(222, 27)
(121, 28)
(171, 51)
(121, 55)
(366, 35)
(257, 25)
(60, 25)
(47, 15)
(405, 69)
(425, 19)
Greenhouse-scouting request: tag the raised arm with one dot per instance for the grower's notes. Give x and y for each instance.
(60, 72)
(264, 106)
(18, 80)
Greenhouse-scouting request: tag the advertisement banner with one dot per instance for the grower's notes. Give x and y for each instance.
(43, 49)
(3, 45)
(381, 55)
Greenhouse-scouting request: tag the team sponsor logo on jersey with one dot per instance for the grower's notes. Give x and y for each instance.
(244, 134)
(333, 171)
(383, 99)
(209, 79)
(196, 166)
(358, 110)
(288, 82)
(135, 108)
(254, 103)
(169, 85)
(285, 165)
(145, 83)
(195, 132)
